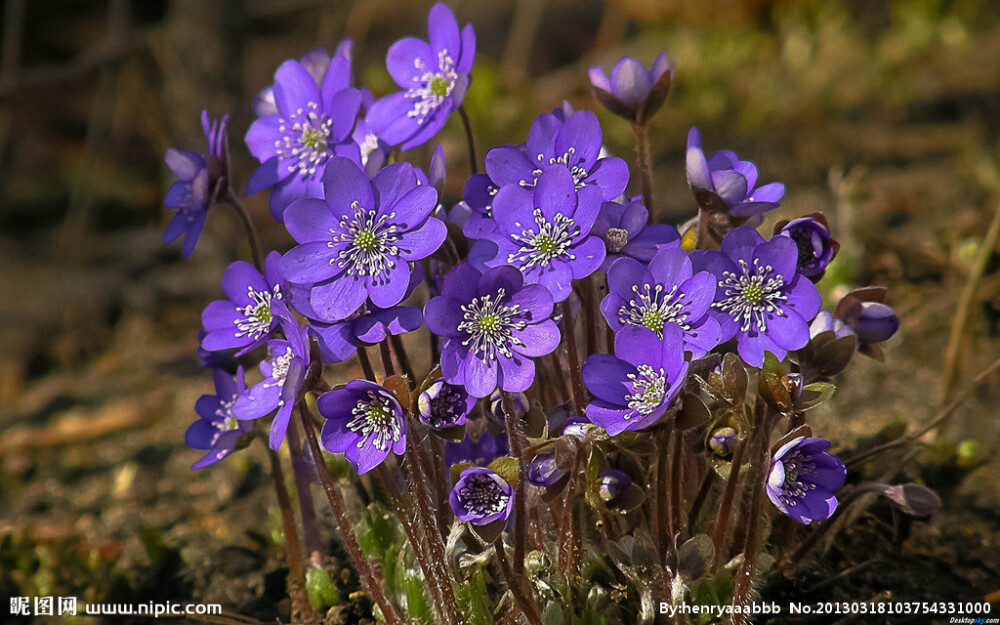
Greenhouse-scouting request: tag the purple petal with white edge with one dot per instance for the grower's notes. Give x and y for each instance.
(344, 182)
(507, 165)
(610, 175)
(294, 89)
(781, 253)
(516, 373)
(630, 82)
(184, 163)
(309, 263)
(606, 377)
(582, 134)
(739, 244)
(589, 256)
(698, 173)
(339, 298)
(442, 31)
(464, 65)
(538, 339)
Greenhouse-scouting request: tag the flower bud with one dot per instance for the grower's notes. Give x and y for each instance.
(875, 323)
(544, 471)
(612, 484)
(723, 441)
(632, 91)
(812, 237)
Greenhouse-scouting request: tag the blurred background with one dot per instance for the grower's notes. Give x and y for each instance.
(883, 114)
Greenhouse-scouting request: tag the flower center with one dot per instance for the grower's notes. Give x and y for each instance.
(751, 296)
(446, 409)
(433, 87)
(804, 243)
(279, 368)
(226, 421)
(366, 241)
(649, 387)
(653, 307)
(376, 417)
(616, 239)
(490, 325)
(369, 145)
(482, 495)
(305, 140)
(547, 241)
(793, 489)
(257, 318)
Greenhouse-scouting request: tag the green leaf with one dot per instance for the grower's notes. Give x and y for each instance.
(814, 395)
(473, 599)
(507, 468)
(323, 593)
(417, 607)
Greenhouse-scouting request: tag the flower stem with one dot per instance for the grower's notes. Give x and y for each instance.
(372, 585)
(726, 503)
(676, 480)
(404, 361)
(518, 445)
(241, 212)
(753, 521)
(469, 140)
(366, 364)
(662, 512)
(591, 326)
(293, 548)
(699, 500)
(303, 487)
(514, 584)
(387, 367)
(579, 396)
(645, 164)
(560, 380)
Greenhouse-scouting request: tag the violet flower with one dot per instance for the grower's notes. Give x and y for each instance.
(872, 322)
(359, 241)
(493, 325)
(635, 387)
(723, 183)
(627, 233)
(202, 181)
(612, 484)
(434, 76)
(217, 428)
(480, 451)
(284, 371)
(665, 292)
(632, 91)
(481, 497)
(761, 298)
(826, 322)
(365, 422)
(244, 321)
(313, 124)
(803, 478)
(545, 231)
(574, 145)
(441, 405)
(812, 237)
(544, 471)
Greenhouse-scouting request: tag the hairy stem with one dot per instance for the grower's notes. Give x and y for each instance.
(579, 395)
(303, 487)
(255, 253)
(469, 140)
(645, 165)
(293, 548)
(726, 503)
(525, 606)
(518, 445)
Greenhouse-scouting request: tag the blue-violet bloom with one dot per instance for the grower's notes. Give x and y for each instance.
(434, 76)
(723, 183)
(666, 291)
(244, 321)
(365, 422)
(480, 451)
(493, 325)
(803, 478)
(812, 237)
(544, 471)
(359, 241)
(481, 497)
(761, 298)
(627, 233)
(635, 387)
(217, 428)
(441, 405)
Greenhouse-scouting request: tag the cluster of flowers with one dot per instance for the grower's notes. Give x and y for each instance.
(505, 274)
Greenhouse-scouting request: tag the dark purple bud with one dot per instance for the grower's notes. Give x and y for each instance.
(519, 401)
(444, 405)
(874, 323)
(612, 484)
(812, 237)
(723, 441)
(544, 471)
(481, 497)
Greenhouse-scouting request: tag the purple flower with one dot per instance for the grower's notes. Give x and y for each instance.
(284, 370)
(497, 411)
(365, 422)
(442, 405)
(313, 123)
(633, 388)
(664, 292)
(803, 478)
(339, 339)
(624, 229)
(202, 180)
(544, 471)
(482, 451)
(245, 320)
(723, 183)
(812, 237)
(826, 322)
(359, 241)
(874, 323)
(545, 231)
(632, 91)
(493, 325)
(761, 298)
(612, 484)
(217, 428)
(481, 497)
(433, 75)
(574, 145)
(321, 67)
